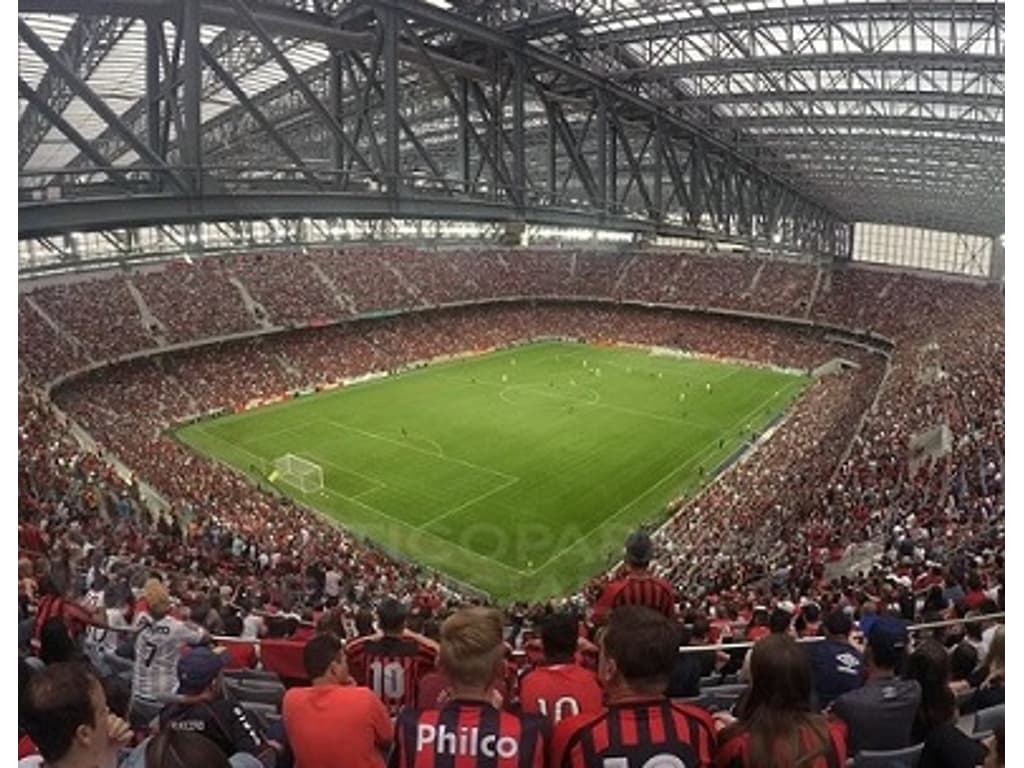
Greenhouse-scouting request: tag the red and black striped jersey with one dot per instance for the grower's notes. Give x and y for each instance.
(648, 591)
(734, 747)
(468, 734)
(391, 667)
(558, 691)
(636, 734)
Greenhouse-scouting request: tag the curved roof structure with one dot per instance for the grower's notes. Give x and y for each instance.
(769, 118)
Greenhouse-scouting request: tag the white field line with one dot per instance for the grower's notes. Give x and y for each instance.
(369, 507)
(537, 389)
(407, 446)
(627, 505)
(404, 524)
(469, 503)
(379, 484)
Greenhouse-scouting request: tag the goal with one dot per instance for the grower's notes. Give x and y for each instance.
(301, 473)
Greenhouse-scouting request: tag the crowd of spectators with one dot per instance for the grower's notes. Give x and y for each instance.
(204, 299)
(763, 536)
(195, 300)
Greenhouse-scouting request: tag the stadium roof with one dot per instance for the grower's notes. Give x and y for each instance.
(879, 110)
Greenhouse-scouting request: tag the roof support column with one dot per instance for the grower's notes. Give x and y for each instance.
(336, 90)
(191, 141)
(997, 265)
(602, 153)
(518, 130)
(463, 148)
(389, 56)
(153, 42)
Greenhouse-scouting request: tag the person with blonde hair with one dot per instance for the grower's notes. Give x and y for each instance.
(470, 726)
(157, 650)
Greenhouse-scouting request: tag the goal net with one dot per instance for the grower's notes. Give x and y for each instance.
(301, 473)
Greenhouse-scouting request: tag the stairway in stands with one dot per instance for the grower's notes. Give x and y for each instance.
(344, 301)
(150, 322)
(58, 329)
(257, 310)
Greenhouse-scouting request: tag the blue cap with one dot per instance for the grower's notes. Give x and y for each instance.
(198, 668)
(888, 638)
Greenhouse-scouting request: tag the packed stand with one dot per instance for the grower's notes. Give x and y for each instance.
(363, 277)
(195, 301)
(287, 288)
(40, 349)
(104, 335)
(748, 558)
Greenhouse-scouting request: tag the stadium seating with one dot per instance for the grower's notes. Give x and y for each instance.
(834, 474)
(894, 758)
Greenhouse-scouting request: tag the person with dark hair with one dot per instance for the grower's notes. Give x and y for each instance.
(774, 726)
(55, 605)
(963, 660)
(204, 709)
(779, 621)
(333, 717)
(639, 586)
(638, 650)
(880, 714)
(55, 644)
(469, 730)
(182, 749)
(836, 666)
(808, 623)
(64, 711)
(393, 661)
(560, 687)
(991, 677)
(945, 746)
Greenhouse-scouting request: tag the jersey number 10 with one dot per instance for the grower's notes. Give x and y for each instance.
(388, 679)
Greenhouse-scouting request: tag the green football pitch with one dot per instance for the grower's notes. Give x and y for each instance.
(520, 472)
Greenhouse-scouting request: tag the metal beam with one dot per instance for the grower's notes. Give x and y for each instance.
(303, 88)
(84, 47)
(602, 31)
(260, 118)
(189, 141)
(38, 220)
(95, 103)
(887, 61)
(53, 118)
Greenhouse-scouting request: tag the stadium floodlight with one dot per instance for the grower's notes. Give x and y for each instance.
(298, 472)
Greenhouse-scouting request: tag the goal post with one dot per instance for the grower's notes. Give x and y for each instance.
(306, 475)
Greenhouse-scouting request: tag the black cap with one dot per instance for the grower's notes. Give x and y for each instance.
(639, 548)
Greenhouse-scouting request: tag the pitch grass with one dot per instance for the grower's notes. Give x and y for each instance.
(520, 472)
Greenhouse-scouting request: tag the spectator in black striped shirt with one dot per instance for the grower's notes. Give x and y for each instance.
(638, 586)
(639, 726)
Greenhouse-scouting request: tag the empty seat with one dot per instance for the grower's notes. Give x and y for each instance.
(253, 675)
(989, 719)
(889, 758)
(263, 692)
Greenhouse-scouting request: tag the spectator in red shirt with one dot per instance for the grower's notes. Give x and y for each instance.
(560, 688)
(775, 727)
(640, 725)
(639, 586)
